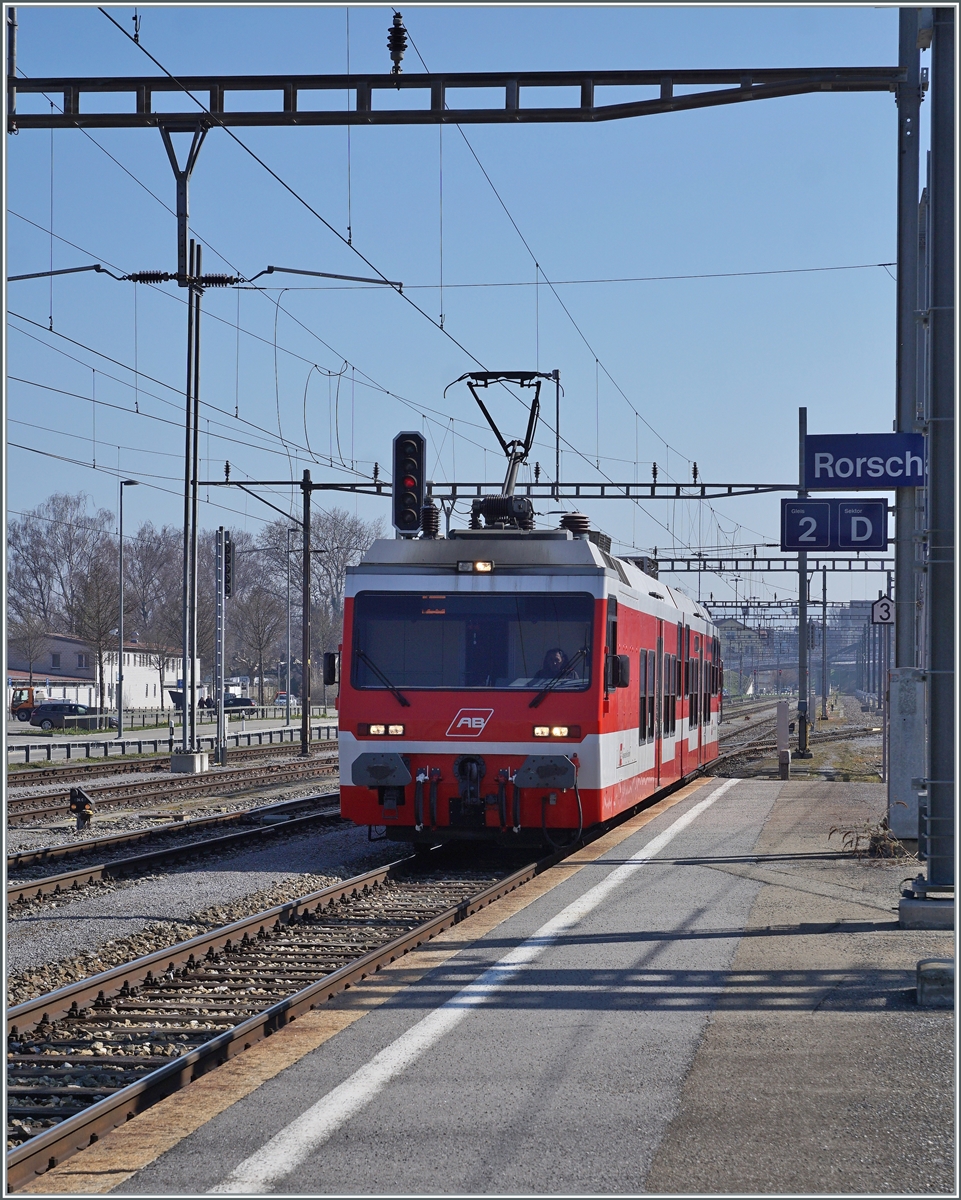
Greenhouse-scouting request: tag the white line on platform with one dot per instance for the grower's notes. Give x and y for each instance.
(287, 1149)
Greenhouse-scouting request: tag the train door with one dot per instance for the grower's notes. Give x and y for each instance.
(659, 702)
(684, 670)
(699, 701)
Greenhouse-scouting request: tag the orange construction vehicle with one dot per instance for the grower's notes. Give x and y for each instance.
(24, 700)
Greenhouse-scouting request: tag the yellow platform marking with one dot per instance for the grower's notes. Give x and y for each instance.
(131, 1147)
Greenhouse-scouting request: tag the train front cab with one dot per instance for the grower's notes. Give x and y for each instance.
(447, 731)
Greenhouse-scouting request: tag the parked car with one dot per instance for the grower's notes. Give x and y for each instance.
(281, 698)
(231, 701)
(55, 714)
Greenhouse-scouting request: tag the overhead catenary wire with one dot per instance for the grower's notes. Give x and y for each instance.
(637, 415)
(365, 380)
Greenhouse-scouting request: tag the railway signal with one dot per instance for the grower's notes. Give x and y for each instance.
(230, 558)
(410, 453)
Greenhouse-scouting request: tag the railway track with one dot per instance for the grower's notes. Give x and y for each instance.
(30, 809)
(88, 1057)
(30, 889)
(75, 773)
(43, 856)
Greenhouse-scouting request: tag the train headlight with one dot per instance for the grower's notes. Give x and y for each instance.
(542, 731)
(377, 730)
(481, 567)
(395, 730)
(558, 731)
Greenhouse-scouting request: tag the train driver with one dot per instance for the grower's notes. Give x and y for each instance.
(554, 665)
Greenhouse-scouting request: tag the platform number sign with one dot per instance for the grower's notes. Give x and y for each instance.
(805, 524)
(834, 524)
(882, 611)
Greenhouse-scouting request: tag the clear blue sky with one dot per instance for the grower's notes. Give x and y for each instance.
(715, 368)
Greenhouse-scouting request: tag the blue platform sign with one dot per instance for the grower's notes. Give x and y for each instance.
(805, 524)
(834, 524)
(839, 461)
(861, 524)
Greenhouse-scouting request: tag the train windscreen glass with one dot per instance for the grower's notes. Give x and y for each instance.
(517, 641)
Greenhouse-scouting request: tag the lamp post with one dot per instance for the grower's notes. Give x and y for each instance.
(123, 483)
(290, 530)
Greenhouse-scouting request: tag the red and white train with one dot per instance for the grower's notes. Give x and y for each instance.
(513, 684)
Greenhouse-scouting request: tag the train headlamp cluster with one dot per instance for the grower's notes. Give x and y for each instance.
(380, 730)
(481, 567)
(557, 731)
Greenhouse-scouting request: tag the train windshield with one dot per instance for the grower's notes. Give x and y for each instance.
(512, 641)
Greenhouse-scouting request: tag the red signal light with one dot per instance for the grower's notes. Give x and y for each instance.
(410, 482)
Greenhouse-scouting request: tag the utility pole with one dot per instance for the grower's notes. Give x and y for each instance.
(123, 484)
(290, 530)
(802, 607)
(305, 633)
(824, 644)
(221, 755)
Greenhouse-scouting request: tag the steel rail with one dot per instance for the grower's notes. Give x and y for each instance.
(51, 885)
(30, 776)
(78, 1131)
(32, 858)
(190, 788)
(181, 782)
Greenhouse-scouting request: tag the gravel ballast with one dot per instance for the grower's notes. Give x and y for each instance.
(108, 928)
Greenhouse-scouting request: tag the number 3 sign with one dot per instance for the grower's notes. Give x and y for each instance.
(882, 611)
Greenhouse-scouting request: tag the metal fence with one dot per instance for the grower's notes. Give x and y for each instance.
(118, 747)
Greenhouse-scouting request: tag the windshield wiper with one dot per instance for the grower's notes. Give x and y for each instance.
(557, 678)
(398, 694)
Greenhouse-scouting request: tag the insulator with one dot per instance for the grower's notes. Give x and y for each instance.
(218, 280)
(376, 472)
(151, 277)
(502, 512)
(430, 520)
(576, 522)
(654, 472)
(396, 42)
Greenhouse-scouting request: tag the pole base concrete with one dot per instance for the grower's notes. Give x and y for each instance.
(925, 914)
(935, 982)
(189, 764)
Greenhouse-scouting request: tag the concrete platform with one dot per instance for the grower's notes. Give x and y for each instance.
(702, 1002)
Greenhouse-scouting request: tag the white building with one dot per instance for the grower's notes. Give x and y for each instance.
(67, 669)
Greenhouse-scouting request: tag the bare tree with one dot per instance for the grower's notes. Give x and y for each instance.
(95, 609)
(153, 585)
(27, 635)
(50, 549)
(259, 621)
(341, 539)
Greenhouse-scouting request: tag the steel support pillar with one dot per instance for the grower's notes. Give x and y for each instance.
(905, 714)
(938, 814)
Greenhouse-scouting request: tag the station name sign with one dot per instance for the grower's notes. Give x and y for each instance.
(838, 461)
(834, 524)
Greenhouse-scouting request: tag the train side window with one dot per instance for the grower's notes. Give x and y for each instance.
(609, 683)
(651, 692)
(670, 699)
(642, 703)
